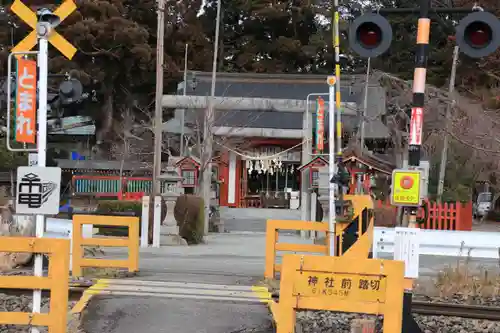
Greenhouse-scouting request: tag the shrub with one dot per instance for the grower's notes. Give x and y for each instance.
(118, 208)
(189, 213)
(112, 207)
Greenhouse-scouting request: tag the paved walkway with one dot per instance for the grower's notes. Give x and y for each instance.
(486, 226)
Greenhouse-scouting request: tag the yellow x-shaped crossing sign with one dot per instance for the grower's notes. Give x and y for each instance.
(30, 18)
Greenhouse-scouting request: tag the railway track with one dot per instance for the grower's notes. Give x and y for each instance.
(448, 309)
(74, 293)
(425, 308)
(456, 310)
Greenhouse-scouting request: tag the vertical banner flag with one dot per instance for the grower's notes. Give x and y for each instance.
(416, 125)
(26, 101)
(320, 124)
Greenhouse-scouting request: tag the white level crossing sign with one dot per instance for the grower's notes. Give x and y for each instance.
(38, 190)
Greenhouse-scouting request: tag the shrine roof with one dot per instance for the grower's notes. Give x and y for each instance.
(316, 159)
(181, 160)
(375, 161)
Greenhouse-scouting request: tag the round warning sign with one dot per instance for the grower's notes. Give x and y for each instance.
(405, 188)
(406, 182)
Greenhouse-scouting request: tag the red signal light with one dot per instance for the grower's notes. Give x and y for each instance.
(478, 34)
(369, 35)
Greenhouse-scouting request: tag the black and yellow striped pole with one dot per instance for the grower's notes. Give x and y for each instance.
(417, 111)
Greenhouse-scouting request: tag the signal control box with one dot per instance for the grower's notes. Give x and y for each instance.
(407, 188)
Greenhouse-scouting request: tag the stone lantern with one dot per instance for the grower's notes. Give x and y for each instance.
(171, 189)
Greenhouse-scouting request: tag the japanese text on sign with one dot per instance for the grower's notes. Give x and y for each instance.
(416, 124)
(405, 187)
(320, 124)
(347, 286)
(26, 101)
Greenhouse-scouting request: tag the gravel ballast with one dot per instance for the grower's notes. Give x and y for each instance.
(335, 322)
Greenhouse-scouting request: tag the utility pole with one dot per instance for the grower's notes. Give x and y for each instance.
(331, 165)
(208, 123)
(159, 93)
(444, 152)
(365, 106)
(338, 129)
(184, 88)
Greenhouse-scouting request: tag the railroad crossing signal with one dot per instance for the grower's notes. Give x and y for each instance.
(370, 35)
(477, 35)
(30, 18)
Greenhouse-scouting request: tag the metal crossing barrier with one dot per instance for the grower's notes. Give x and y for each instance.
(272, 245)
(131, 242)
(57, 282)
(353, 238)
(370, 286)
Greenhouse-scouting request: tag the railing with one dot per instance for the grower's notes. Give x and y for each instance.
(111, 186)
(445, 216)
(251, 202)
(131, 242)
(337, 284)
(473, 244)
(57, 282)
(272, 245)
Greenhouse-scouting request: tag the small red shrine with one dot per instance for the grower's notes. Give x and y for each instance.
(366, 166)
(313, 167)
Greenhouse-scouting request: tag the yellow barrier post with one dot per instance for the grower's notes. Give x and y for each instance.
(353, 239)
(131, 242)
(57, 282)
(272, 245)
(370, 286)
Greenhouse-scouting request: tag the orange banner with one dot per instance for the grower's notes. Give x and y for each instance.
(26, 101)
(320, 124)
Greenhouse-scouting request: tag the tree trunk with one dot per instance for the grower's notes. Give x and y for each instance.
(105, 117)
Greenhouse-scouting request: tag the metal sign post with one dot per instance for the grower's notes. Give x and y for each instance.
(43, 23)
(331, 163)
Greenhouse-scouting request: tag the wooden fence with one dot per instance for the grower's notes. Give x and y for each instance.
(442, 216)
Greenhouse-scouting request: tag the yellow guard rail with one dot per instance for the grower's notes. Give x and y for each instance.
(369, 286)
(272, 245)
(56, 282)
(131, 242)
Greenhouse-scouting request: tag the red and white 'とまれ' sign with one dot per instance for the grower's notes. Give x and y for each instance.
(26, 101)
(416, 124)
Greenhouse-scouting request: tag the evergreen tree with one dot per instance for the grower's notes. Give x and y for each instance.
(271, 36)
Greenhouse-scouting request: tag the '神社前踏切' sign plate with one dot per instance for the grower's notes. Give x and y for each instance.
(354, 287)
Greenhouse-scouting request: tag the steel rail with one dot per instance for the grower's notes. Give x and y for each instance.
(427, 308)
(456, 310)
